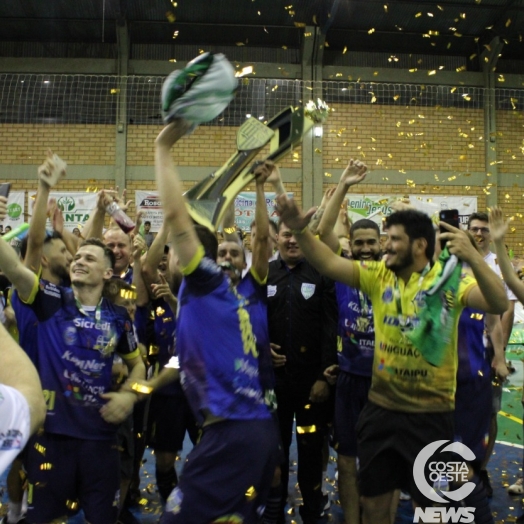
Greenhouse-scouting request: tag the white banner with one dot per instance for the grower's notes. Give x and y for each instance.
(149, 203)
(376, 207)
(245, 208)
(15, 210)
(76, 207)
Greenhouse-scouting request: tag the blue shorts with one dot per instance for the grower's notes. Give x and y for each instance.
(169, 418)
(473, 401)
(66, 474)
(350, 398)
(227, 475)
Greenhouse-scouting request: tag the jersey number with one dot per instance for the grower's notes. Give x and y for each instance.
(49, 397)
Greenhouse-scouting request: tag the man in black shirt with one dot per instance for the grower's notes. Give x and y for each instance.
(302, 314)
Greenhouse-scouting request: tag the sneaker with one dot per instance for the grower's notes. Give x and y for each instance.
(517, 488)
(484, 477)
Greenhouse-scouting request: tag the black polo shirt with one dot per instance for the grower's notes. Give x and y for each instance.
(302, 317)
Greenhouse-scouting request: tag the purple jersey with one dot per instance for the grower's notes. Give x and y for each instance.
(219, 357)
(75, 356)
(356, 331)
(471, 345)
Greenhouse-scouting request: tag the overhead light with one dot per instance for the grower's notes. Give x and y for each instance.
(261, 117)
(248, 115)
(318, 131)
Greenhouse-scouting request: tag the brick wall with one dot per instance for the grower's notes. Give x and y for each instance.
(389, 138)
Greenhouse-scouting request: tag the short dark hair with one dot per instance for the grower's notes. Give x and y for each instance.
(50, 235)
(147, 222)
(364, 223)
(416, 225)
(478, 215)
(208, 239)
(108, 254)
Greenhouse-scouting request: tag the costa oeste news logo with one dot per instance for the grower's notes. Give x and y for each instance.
(444, 473)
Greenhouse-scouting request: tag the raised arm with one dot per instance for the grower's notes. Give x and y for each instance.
(498, 229)
(47, 178)
(94, 227)
(184, 237)
(228, 224)
(354, 173)
(318, 254)
(259, 245)
(22, 278)
(489, 295)
(154, 257)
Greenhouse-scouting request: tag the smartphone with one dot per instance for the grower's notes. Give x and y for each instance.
(4, 189)
(451, 217)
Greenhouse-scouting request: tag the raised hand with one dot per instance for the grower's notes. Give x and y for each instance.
(354, 173)
(498, 227)
(291, 214)
(264, 171)
(52, 170)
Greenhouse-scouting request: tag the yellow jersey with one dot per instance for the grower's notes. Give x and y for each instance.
(402, 380)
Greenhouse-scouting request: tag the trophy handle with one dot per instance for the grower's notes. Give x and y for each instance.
(214, 194)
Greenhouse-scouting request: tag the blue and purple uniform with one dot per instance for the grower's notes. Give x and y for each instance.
(356, 345)
(473, 397)
(223, 349)
(75, 348)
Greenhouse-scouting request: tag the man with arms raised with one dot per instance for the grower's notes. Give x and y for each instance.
(221, 372)
(410, 402)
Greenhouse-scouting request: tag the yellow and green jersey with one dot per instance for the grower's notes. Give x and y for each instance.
(402, 379)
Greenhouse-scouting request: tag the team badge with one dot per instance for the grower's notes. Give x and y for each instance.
(69, 336)
(387, 296)
(271, 291)
(307, 290)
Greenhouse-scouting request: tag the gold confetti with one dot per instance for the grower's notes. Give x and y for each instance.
(327, 174)
(239, 44)
(461, 68)
(300, 24)
(463, 16)
(344, 51)
(440, 7)
(399, 124)
(371, 31)
(386, 8)
(508, 22)
(141, 388)
(143, 502)
(40, 448)
(170, 17)
(501, 78)
(175, 34)
(418, 15)
(471, 57)
(251, 493)
(457, 34)
(318, 151)
(46, 466)
(306, 429)
(413, 70)
(433, 72)
(284, 47)
(396, 97)
(72, 504)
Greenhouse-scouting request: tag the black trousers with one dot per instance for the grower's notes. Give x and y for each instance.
(311, 421)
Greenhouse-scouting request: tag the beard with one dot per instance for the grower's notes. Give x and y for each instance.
(402, 262)
(61, 273)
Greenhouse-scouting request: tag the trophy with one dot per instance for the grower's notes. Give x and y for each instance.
(208, 200)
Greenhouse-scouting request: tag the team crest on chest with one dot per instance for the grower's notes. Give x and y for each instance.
(307, 290)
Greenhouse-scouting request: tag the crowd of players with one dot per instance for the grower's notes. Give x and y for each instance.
(137, 343)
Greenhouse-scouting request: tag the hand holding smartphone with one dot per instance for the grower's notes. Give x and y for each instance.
(451, 217)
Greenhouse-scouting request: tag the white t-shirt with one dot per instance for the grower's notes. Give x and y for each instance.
(493, 263)
(14, 425)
